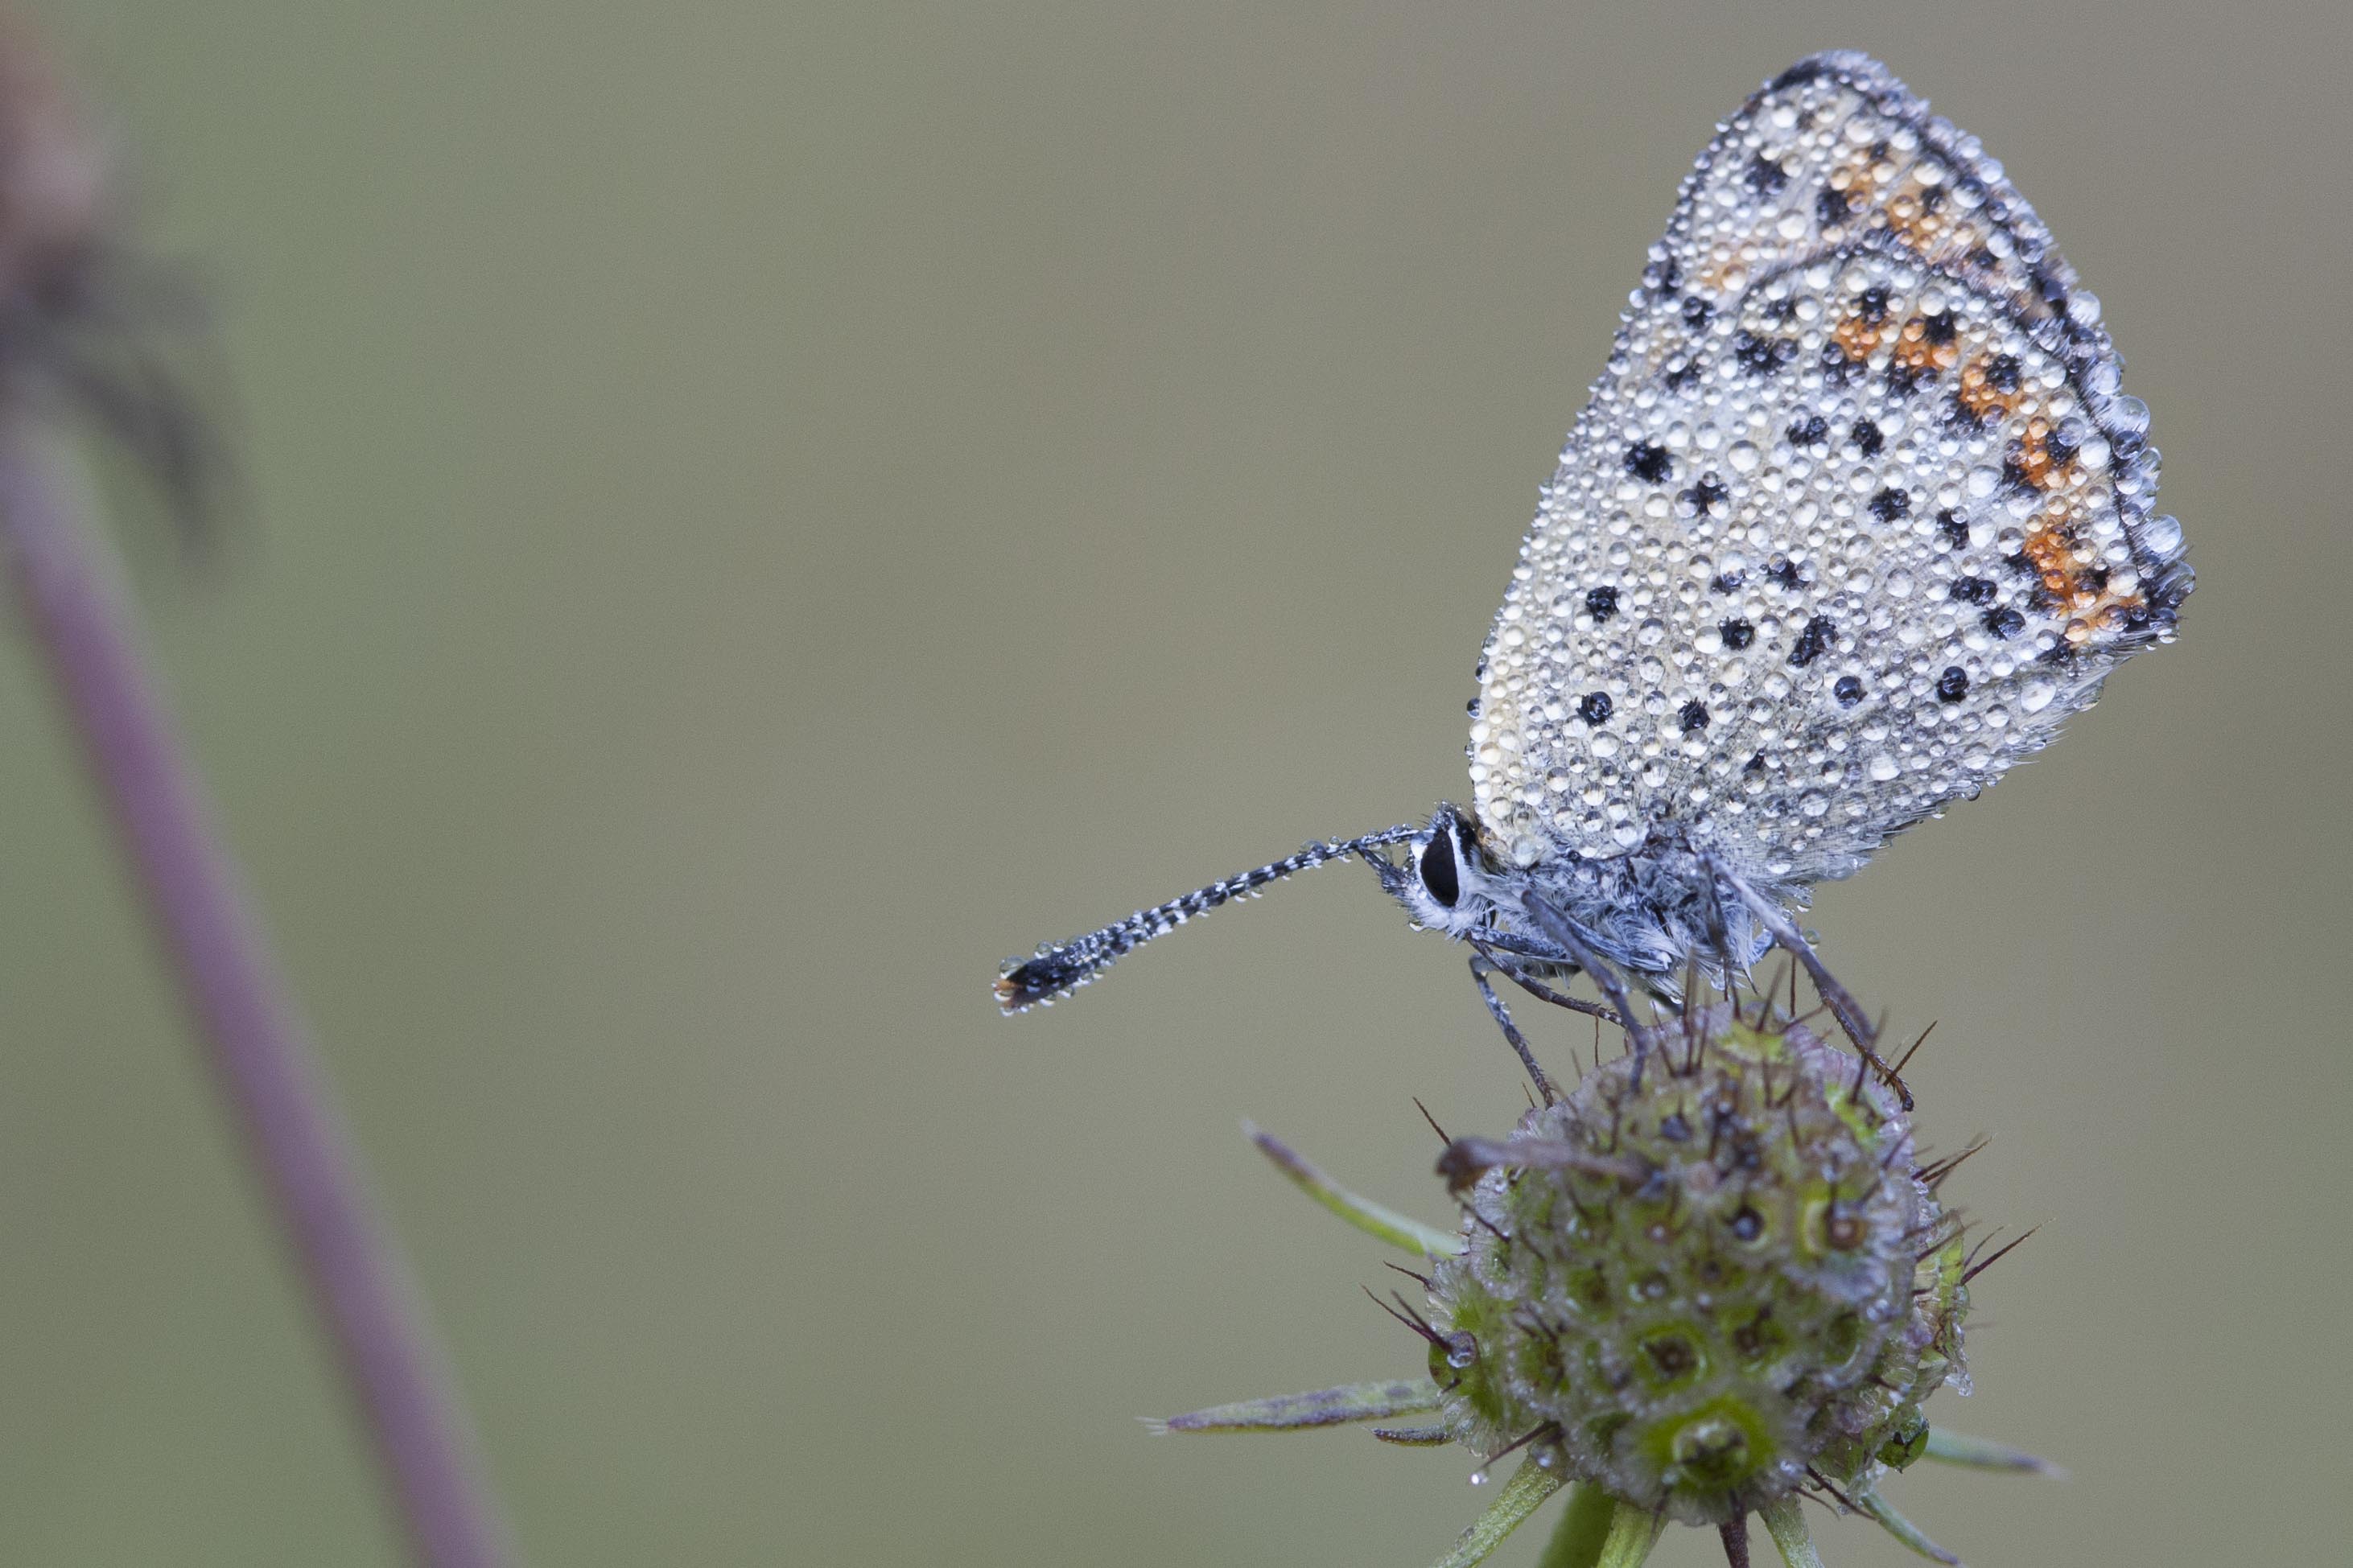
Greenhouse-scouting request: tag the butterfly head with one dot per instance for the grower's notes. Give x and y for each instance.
(1448, 881)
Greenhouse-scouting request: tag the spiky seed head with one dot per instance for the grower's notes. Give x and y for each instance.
(1703, 1273)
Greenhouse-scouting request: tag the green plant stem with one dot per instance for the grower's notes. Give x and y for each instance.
(1950, 1448)
(1528, 1486)
(1322, 1407)
(1632, 1532)
(1374, 1219)
(1584, 1528)
(1786, 1526)
(1903, 1529)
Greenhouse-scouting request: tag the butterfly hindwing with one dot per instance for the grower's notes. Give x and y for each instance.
(1856, 516)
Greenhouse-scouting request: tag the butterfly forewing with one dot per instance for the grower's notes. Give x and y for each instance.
(1856, 516)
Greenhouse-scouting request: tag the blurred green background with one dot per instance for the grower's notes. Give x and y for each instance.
(761, 511)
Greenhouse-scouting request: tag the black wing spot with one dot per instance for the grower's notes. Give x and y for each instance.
(1595, 708)
(1764, 176)
(1705, 497)
(1953, 685)
(1866, 437)
(1849, 690)
(2004, 623)
(2003, 372)
(1941, 328)
(1873, 303)
(1811, 431)
(1761, 356)
(1832, 206)
(1601, 602)
(1784, 571)
(1813, 642)
(1973, 590)
(1890, 504)
(1954, 527)
(1737, 634)
(1648, 461)
(1697, 313)
(1693, 717)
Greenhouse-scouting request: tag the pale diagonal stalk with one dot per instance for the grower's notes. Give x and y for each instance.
(77, 613)
(1322, 1407)
(1416, 1436)
(1529, 1485)
(1903, 1529)
(1632, 1532)
(1374, 1219)
(1984, 1454)
(1786, 1526)
(1579, 1539)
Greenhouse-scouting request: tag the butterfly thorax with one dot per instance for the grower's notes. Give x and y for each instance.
(1651, 911)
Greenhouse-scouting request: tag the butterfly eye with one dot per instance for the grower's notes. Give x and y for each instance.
(1438, 874)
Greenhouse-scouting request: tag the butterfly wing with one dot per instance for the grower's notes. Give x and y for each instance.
(1857, 514)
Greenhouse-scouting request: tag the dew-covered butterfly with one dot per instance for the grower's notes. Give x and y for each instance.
(1858, 514)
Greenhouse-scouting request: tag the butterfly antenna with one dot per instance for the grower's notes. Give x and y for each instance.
(1057, 969)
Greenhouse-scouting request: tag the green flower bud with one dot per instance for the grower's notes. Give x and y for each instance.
(1711, 1269)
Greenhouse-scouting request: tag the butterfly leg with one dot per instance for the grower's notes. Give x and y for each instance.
(1841, 1001)
(1558, 928)
(1482, 964)
(1542, 992)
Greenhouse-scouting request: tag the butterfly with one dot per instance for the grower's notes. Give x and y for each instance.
(1857, 515)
